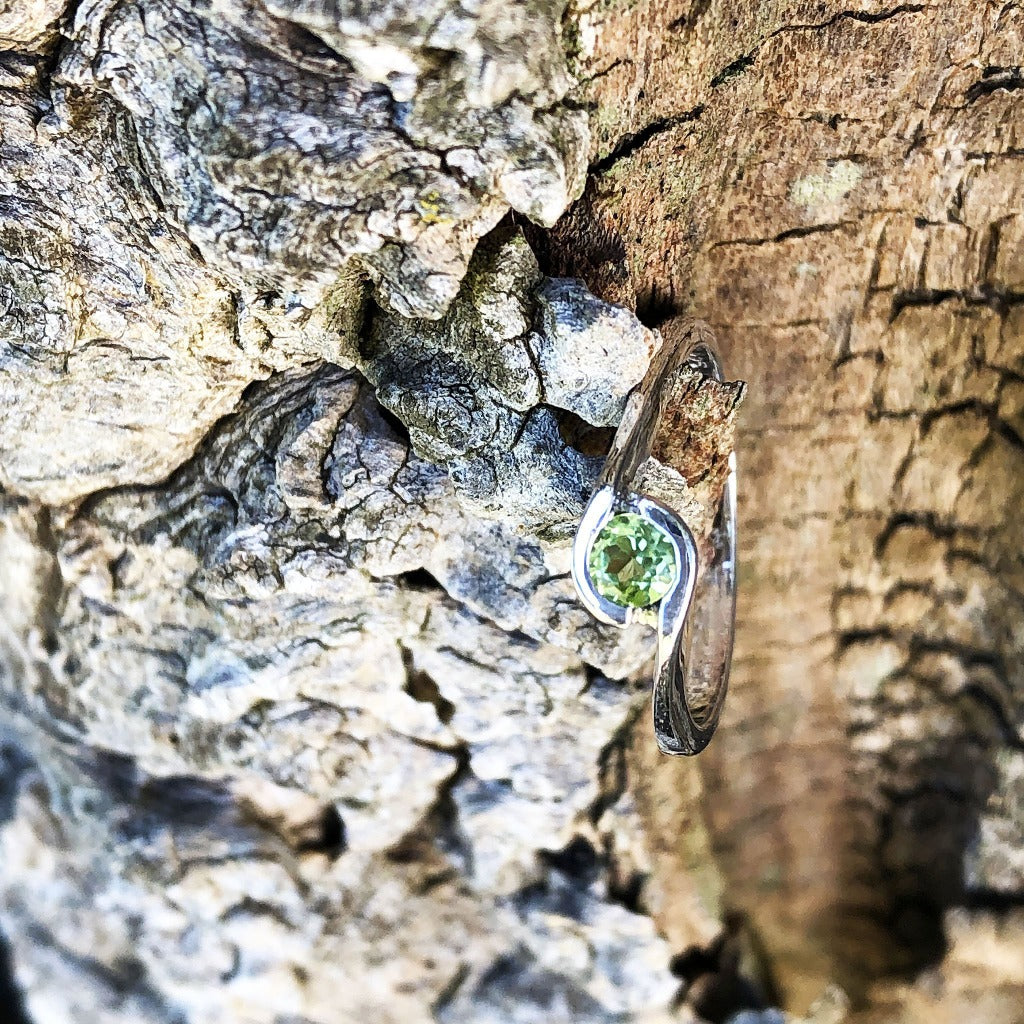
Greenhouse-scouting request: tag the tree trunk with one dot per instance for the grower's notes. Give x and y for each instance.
(316, 322)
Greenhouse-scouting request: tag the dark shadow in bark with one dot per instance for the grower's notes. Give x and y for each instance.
(714, 982)
(12, 1006)
(13, 763)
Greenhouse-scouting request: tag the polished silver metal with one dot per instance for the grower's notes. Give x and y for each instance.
(695, 620)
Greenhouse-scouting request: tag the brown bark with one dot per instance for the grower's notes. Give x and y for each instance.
(837, 189)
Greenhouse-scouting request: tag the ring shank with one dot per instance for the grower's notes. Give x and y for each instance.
(693, 666)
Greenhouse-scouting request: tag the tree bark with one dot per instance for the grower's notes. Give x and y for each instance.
(317, 320)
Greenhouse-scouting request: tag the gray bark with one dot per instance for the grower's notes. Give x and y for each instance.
(302, 721)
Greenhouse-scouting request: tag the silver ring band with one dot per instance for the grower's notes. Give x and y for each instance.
(695, 619)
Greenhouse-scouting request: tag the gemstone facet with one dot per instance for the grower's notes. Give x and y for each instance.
(633, 563)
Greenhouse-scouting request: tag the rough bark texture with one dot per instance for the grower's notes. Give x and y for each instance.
(301, 719)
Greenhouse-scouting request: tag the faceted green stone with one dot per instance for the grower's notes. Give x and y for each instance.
(633, 562)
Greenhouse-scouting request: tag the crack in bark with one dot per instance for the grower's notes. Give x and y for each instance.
(747, 60)
(996, 79)
(635, 141)
(733, 70)
(804, 231)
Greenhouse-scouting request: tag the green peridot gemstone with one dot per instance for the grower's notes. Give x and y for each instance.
(633, 562)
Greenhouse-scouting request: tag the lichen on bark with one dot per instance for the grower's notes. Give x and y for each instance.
(285, 143)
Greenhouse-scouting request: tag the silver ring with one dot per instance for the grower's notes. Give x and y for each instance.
(623, 568)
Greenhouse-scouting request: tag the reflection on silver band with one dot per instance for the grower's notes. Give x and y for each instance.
(696, 619)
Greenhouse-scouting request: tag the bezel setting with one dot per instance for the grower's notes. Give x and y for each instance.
(666, 615)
